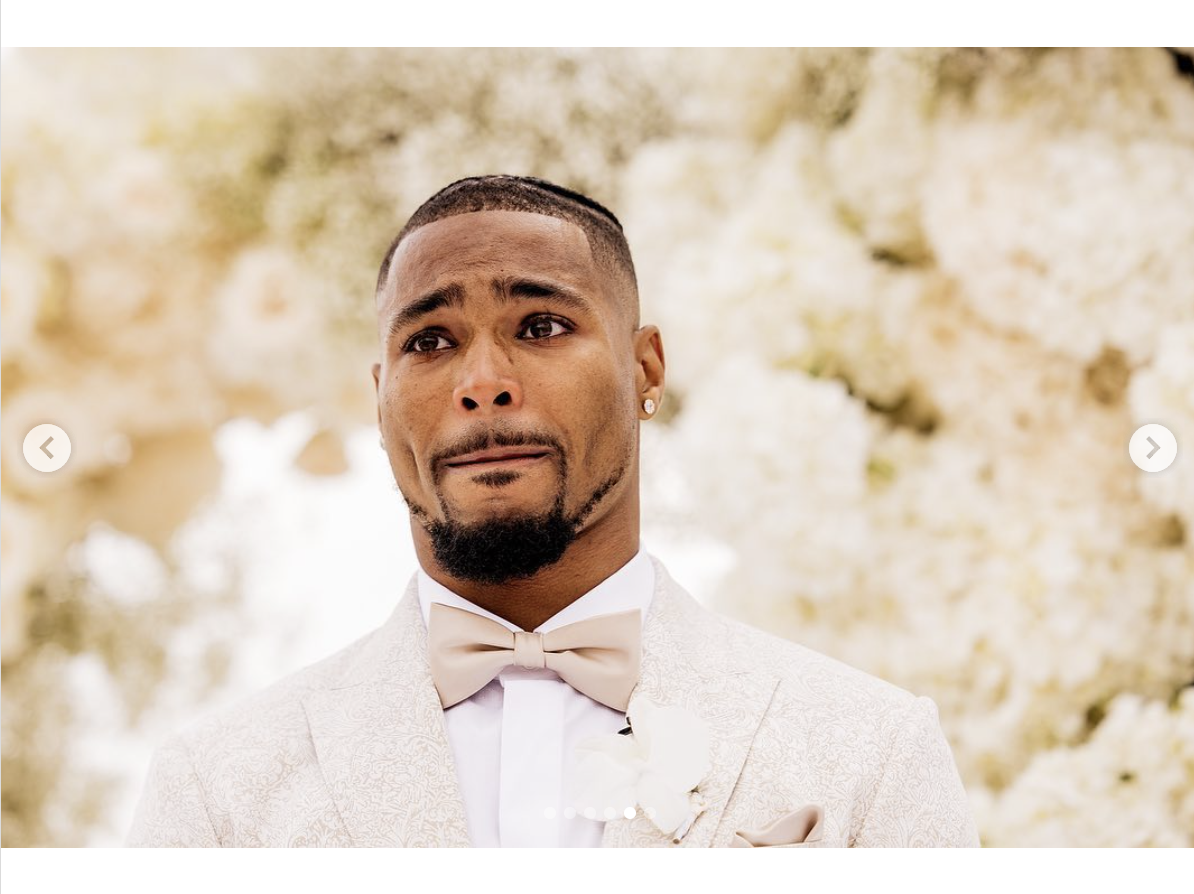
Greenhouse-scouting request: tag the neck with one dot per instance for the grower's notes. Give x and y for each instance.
(594, 555)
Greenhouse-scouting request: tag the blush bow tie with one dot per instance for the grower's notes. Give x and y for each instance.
(598, 656)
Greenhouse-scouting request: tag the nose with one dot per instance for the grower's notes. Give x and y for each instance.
(488, 379)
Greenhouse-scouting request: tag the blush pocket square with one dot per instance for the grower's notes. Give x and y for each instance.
(800, 827)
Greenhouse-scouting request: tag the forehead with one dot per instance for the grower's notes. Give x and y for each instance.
(501, 243)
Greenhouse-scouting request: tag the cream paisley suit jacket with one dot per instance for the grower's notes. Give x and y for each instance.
(353, 750)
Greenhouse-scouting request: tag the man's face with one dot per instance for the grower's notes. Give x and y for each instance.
(522, 348)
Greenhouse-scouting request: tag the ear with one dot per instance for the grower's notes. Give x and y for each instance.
(649, 367)
(377, 389)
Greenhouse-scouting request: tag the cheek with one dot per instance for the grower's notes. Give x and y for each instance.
(403, 404)
(403, 428)
(607, 418)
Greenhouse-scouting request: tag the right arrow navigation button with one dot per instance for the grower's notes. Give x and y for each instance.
(1153, 448)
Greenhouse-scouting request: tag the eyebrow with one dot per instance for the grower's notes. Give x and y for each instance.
(505, 291)
(451, 295)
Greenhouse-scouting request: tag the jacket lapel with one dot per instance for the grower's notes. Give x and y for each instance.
(382, 744)
(689, 660)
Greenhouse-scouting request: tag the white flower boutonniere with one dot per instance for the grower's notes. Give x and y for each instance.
(655, 765)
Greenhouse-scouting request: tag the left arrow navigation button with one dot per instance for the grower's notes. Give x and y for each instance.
(46, 447)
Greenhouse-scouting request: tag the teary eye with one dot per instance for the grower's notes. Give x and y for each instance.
(424, 339)
(540, 327)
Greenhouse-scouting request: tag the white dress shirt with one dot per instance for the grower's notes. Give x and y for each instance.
(514, 739)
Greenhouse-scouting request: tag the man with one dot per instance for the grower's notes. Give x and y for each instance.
(513, 378)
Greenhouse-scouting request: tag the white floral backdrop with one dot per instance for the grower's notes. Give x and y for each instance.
(913, 303)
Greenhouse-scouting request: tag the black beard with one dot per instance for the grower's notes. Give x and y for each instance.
(502, 549)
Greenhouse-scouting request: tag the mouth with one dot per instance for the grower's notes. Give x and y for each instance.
(489, 459)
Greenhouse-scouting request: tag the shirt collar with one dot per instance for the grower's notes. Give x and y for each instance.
(630, 587)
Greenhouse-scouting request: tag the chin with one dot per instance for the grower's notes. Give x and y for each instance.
(503, 545)
(504, 507)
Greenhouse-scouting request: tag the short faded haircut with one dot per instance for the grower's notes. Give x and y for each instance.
(507, 192)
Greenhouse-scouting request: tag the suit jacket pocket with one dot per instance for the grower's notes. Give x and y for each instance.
(800, 828)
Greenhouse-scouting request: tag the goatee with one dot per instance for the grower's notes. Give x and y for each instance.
(502, 549)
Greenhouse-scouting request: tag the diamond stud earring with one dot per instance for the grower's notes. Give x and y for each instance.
(649, 405)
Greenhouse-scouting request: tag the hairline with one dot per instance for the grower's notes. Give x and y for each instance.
(611, 269)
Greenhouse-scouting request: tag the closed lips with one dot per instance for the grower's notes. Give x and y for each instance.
(495, 455)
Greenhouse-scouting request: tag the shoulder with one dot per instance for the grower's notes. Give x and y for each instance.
(270, 722)
(248, 772)
(859, 746)
(808, 675)
(865, 749)
(731, 646)
(819, 706)
(819, 697)
(736, 647)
